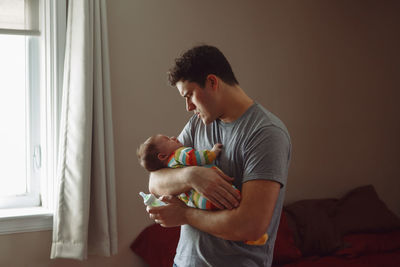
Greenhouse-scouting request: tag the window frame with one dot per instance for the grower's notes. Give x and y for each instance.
(53, 34)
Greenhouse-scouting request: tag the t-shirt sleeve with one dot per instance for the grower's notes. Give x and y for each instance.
(186, 136)
(267, 156)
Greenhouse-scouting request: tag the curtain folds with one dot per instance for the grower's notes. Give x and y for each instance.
(85, 216)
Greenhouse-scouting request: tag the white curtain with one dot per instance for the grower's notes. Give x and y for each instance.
(85, 217)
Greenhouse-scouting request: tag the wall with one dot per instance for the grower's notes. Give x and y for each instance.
(330, 70)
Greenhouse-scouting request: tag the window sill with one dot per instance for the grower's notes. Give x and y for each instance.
(25, 220)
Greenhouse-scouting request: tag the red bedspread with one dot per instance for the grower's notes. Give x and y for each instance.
(388, 259)
(357, 230)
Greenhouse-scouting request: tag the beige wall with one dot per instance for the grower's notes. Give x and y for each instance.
(329, 70)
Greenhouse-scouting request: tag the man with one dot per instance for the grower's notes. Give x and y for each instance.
(256, 153)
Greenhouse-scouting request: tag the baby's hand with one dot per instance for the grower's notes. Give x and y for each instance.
(217, 149)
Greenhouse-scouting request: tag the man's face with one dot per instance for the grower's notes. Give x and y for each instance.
(199, 100)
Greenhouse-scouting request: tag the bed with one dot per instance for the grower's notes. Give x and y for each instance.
(356, 230)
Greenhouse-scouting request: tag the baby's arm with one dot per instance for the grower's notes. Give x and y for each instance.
(187, 156)
(208, 156)
(217, 149)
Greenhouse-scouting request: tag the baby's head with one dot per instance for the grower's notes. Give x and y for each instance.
(154, 152)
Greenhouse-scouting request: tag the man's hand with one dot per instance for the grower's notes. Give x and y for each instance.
(170, 215)
(214, 185)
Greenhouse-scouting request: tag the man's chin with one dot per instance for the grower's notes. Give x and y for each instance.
(206, 121)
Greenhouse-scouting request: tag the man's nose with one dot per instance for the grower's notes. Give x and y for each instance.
(189, 105)
(173, 138)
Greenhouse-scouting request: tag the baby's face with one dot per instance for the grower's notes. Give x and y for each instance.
(167, 145)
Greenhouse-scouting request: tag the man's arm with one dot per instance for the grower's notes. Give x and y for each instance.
(169, 181)
(247, 222)
(212, 184)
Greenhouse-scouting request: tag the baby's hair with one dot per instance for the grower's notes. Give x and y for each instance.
(148, 155)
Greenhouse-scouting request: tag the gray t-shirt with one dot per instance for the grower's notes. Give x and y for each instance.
(255, 146)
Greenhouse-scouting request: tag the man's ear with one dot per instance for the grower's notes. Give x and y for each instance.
(213, 80)
(162, 157)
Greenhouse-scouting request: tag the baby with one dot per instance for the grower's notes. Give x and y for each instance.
(160, 151)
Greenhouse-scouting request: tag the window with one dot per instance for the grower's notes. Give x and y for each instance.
(32, 37)
(20, 162)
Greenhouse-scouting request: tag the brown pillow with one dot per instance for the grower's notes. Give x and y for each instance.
(361, 210)
(316, 231)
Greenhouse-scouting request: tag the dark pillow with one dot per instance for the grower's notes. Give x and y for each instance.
(285, 249)
(316, 231)
(361, 210)
(360, 244)
(157, 245)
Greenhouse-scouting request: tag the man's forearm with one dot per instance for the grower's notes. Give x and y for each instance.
(168, 182)
(212, 184)
(247, 222)
(225, 224)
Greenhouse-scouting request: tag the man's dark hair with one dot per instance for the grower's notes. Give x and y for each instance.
(195, 64)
